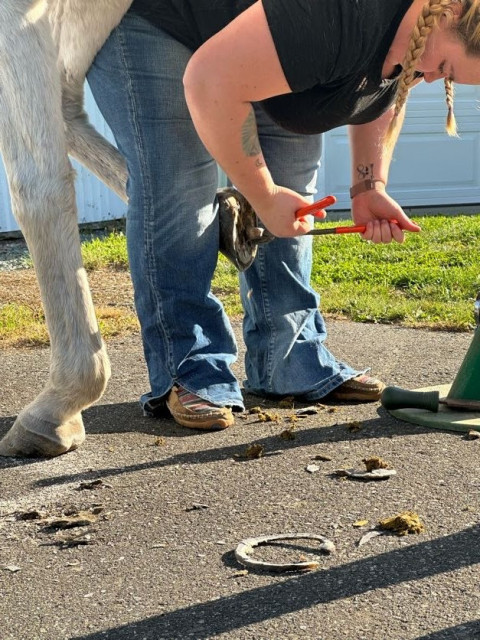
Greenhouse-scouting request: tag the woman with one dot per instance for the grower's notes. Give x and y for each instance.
(252, 85)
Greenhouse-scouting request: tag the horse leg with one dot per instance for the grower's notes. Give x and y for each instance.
(33, 146)
(87, 146)
(79, 29)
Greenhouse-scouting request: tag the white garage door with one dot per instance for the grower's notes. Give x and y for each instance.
(429, 168)
(95, 201)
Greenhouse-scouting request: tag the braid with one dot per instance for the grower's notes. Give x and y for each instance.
(451, 122)
(431, 13)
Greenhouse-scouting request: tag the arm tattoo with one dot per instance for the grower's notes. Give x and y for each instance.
(250, 142)
(365, 171)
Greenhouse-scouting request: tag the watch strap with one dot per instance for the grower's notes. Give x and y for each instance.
(365, 185)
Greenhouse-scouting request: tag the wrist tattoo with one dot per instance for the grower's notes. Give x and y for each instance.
(365, 172)
(250, 141)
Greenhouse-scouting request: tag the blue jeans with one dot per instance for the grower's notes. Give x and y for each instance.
(172, 238)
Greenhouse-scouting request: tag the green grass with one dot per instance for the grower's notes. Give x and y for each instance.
(21, 325)
(429, 281)
(25, 326)
(110, 251)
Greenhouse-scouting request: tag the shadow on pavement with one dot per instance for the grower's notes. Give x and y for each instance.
(258, 605)
(120, 416)
(467, 631)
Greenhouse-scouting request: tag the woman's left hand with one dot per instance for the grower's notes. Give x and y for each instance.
(375, 209)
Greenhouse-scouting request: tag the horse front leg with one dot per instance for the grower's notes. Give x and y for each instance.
(32, 143)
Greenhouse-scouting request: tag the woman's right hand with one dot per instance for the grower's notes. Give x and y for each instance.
(278, 210)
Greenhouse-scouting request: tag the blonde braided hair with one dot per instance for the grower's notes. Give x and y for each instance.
(467, 29)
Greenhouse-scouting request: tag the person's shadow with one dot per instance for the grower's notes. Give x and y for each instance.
(302, 592)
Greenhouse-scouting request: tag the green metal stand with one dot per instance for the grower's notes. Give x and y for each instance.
(448, 418)
(466, 385)
(458, 408)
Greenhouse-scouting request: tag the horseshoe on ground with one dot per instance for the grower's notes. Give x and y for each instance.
(246, 546)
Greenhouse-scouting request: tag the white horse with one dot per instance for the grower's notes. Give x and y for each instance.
(46, 48)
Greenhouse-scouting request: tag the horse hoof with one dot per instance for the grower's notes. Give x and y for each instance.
(32, 437)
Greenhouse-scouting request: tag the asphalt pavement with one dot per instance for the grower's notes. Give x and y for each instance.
(133, 535)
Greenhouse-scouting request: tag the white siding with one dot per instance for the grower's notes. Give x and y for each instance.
(95, 201)
(429, 169)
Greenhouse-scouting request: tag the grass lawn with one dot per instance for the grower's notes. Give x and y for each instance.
(429, 281)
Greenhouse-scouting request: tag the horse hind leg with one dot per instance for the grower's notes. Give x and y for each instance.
(79, 28)
(33, 146)
(87, 146)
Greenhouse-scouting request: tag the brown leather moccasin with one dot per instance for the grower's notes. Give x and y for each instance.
(208, 417)
(363, 388)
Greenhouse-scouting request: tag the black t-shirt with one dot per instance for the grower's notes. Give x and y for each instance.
(190, 21)
(331, 51)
